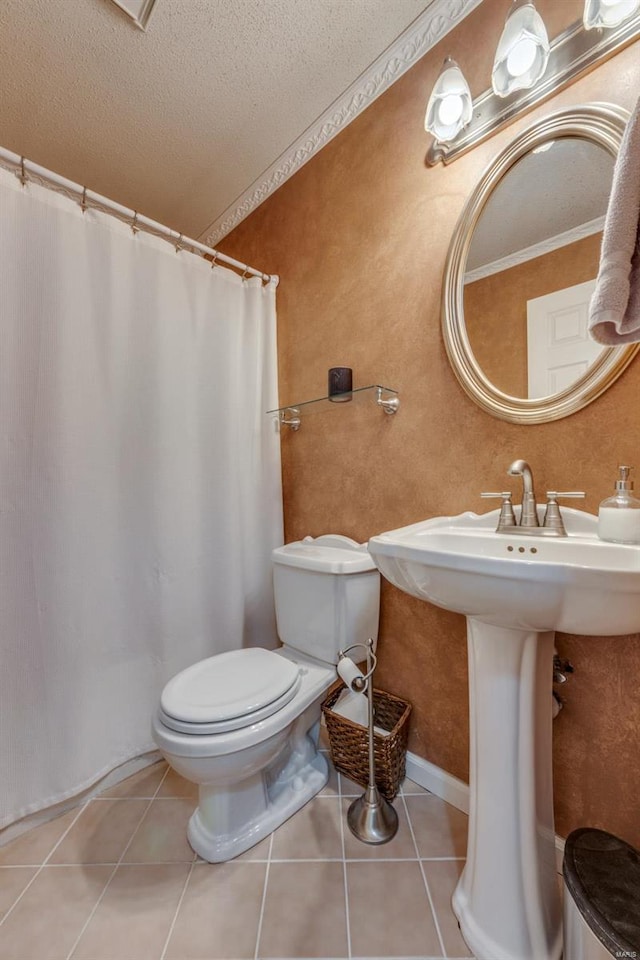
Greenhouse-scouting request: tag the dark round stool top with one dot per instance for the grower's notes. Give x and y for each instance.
(602, 873)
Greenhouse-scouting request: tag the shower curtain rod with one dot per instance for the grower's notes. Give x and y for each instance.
(25, 170)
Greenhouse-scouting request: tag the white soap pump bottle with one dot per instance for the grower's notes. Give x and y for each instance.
(619, 516)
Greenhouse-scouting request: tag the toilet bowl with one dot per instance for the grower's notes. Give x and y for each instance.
(244, 725)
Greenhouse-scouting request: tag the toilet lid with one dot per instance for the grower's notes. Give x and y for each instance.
(231, 687)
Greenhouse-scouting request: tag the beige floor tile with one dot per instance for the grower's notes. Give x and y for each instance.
(304, 911)
(174, 785)
(142, 785)
(323, 738)
(162, 835)
(101, 832)
(350, 788)
(259, 852)
(442, 877)
(440, 829)
(134, 917)
(13, 880)
(332, 788)
(409, 787)
(400, 848)
(389, 911)
(45, 923)
(219, 915)
(34, 846)
(313, 833)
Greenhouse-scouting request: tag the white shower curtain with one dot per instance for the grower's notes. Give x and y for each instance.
(140, 484)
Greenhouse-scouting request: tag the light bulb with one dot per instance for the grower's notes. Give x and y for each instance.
(521, 58)
(608, 13)
(523, 50)
(450, 108)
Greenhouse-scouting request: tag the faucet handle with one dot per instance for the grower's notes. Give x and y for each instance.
(507, 517)
(552, 516)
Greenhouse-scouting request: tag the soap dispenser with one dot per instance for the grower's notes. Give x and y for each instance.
(619, 516)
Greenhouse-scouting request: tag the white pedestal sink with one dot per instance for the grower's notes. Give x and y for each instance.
(515, 591)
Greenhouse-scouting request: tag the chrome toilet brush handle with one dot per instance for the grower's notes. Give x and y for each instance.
(371, 817)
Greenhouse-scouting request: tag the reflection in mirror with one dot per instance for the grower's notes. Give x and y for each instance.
(535, 212)
(531, 268)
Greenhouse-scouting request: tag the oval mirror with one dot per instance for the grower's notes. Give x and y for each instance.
(522, 266)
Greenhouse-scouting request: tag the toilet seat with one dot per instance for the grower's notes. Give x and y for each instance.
(229, 691)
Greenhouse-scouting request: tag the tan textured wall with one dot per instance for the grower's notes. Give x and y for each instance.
(495, 308)
(359, 237)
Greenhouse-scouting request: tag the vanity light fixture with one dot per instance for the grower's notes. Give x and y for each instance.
(527, 70)
(523, 50)
(450, 107)
(608, 13)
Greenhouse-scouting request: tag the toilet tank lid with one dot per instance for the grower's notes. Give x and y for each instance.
(331, 553)
(602, 874)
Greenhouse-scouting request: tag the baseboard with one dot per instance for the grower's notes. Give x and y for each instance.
(438, 781)
(453, 791)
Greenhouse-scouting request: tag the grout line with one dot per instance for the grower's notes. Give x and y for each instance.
(40, 867)
(45, 862)
(177, 910)
(424, 878)
(344, 865)
(444, 859)
(113, 872)
(161, 782)
(264, 898)
(115, 863)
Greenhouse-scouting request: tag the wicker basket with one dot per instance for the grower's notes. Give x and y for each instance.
(349, 741)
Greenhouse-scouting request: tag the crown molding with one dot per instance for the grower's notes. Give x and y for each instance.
(536, 250)
(423, 34)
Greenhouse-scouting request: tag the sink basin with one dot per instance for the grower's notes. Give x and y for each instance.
(577, 584)
(515, 590)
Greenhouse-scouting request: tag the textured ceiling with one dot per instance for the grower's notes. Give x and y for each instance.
(178, 121)
(543, 195)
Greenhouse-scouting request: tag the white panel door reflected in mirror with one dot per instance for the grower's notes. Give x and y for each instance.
(559, 348)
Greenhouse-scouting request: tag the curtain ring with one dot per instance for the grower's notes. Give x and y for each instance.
(134, 223)
(178, 242)
(83, 202)
(23, 173)
(213, 259)
(244, 275)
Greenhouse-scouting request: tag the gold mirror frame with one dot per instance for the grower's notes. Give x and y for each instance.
(601, 124)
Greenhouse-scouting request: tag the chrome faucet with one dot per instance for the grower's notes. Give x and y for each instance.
(552, 525)
(529, 514)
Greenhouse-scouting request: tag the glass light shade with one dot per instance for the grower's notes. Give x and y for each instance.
(450, 106)
(523, 50)
(608, 13)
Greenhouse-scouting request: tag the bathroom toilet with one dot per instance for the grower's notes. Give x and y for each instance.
(244, 725)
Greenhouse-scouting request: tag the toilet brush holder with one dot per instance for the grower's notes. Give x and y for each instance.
(371, 818)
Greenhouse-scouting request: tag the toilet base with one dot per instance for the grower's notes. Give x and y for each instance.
(214, 831)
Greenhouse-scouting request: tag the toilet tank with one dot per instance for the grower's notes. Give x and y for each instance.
(327, 595)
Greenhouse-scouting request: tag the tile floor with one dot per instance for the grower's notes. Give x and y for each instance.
(116, 880)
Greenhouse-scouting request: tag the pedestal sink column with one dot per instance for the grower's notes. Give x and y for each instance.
(507, 900)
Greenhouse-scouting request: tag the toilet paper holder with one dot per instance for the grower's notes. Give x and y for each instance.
(371, 818)
(354, 678)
